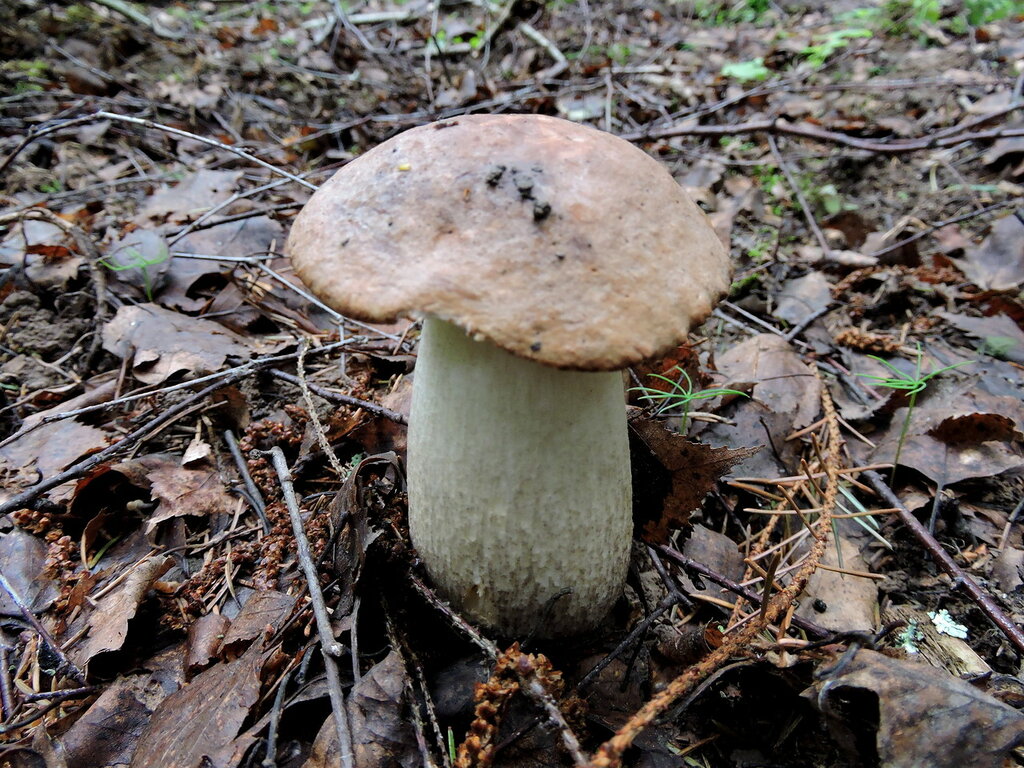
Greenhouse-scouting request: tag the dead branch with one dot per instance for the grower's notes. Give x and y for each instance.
(942, 558)
(338, 397)
(330, 647)
(779, 126)
(46, 129)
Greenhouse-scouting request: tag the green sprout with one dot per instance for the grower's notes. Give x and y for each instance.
(911, 386)
(136, 260)
(680, 395)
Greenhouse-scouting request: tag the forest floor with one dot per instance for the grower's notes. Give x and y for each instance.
(792, 600)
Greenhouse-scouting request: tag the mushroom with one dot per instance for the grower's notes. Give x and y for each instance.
(544, 257)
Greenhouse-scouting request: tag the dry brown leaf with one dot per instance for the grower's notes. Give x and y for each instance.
(925, 717)
(803, 297)
(197, 725)
(999, 333)
(266, 608)
(382, 735)
(162, 343)
(189, 197)
(671, 475)
(23, 564)
(998, 263)
(839, 601)
(184, 491)
(784, 396)
(108, 732)
(108, 622)
(53, 447)
(188, 278)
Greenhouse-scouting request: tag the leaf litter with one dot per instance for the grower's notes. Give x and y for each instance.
(169, 573)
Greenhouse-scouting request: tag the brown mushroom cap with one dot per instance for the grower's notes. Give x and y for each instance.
(555, 241)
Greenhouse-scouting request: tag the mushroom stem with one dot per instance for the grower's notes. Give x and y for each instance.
(519, 485)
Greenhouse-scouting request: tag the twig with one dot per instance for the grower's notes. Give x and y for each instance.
(314, 419)
(63, 694)
(66, 666)
(561, 63)
(252, 492)
(46, 129)
(747, 594)
(330, 647)
(251, 366)
(337, 397)
(1009, 524)
(960, 578)
(780, 126)
(127, 10)
(6, 700)
(780, 161)
(940, 224)
(342, 20)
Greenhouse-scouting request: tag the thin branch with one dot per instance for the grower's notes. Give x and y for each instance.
(330, 647)
(780, 161)
(46, 129)
(66, 666)
(942, 558)
(807, 131)
(338, 397)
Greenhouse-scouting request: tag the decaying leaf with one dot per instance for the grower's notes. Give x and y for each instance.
(184, 491)
(784, 396)
(672, 475)
(108, 622)
(108, 732)
(266, 608)
(162, 343)
(840, 601)
(925, 717)
(197, 725)
(382, 735)
(22, 562)
(189, 197)
(348, 512)
(803, 297)
(998, 263)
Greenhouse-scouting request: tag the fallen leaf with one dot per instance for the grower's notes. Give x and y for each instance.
(803, 297)
(189, 280)
(184, 491)
(719, 553)
(162, 343)
(23, 564)
(382, 734)
(108, 621)
(672, 475)
(925, 717)
(265, 608)
(998, 263)
(204, 640)
(53, 447)
(190, 197)
(784, 395)
(839, 601)
(197, 725)
(999, 334)
(107, 733)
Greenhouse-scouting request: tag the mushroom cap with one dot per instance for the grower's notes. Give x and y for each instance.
(555, 241)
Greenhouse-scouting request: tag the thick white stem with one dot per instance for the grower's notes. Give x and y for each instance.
(519, 485)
